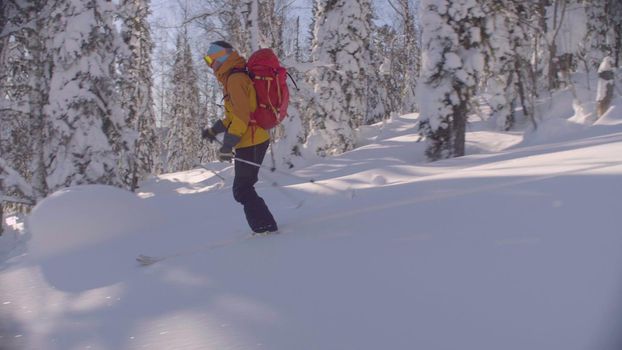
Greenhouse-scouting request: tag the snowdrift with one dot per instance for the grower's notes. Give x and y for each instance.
(81, 235)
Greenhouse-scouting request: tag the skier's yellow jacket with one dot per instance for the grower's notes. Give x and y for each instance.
(240, 102)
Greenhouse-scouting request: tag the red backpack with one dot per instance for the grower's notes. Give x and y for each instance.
(269, 79)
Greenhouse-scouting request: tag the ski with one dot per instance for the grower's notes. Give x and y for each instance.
(147, 260)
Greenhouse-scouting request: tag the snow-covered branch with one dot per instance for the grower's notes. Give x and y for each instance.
(16, 200)
(12, 180)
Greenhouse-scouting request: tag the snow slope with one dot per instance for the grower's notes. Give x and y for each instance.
(515, 246)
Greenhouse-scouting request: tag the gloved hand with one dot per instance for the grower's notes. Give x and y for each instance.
(208, 135)
(225, 153)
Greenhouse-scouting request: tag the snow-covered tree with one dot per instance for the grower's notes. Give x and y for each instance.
(240, 31)
(341, 52)
(391, 69)
(24, 79)
(598, 45)
(24, 85)
(136, 87)
(252, 24)
(606, 84)
(376, 96)
(398, 47)
(184, 136)
(271, 21)
(15, 89)
(453, 33)
(509, 64)
(83, 133)
(616, 25)
(293, 46)
(406, 63)
(604, 31)
(292, 134)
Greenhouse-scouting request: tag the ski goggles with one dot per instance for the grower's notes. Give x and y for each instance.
(210, 59)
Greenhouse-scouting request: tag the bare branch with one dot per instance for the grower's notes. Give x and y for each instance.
(398, 11)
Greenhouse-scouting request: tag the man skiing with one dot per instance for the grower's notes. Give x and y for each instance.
(249, 141)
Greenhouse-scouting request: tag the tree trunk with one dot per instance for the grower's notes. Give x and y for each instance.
(1, 217)
(553, 59)
(510, 119)
(553, 67)
(606, 81)
(617, 44)
(459, 128)
(39, 98)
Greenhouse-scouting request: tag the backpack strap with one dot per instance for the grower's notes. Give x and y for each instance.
(241, 70)
(238, 70)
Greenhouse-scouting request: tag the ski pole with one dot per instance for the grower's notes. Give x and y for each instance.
(212, 171)
(297, 202)
(274, 169)
(311, 180)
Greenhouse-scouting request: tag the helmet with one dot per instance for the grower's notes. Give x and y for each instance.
(217, 54)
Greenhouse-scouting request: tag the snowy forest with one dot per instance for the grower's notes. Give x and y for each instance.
(113, 92)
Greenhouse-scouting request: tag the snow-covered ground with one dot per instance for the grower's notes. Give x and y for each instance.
(516, 246)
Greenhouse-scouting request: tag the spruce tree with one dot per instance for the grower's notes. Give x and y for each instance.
(616, 24)
(509, 64)
(341, 50)
(452, 38)
(24, 81)
(407, 54)
(184, 137)
(24, 85)
(392, 70)
(83, 133)
(136, 87)
(598, 45)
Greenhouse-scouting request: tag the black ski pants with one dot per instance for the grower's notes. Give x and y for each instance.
(257, 213)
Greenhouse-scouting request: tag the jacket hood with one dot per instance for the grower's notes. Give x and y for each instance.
(234, 61)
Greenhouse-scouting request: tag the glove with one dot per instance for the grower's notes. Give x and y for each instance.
(225, 153)
(208, 135)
